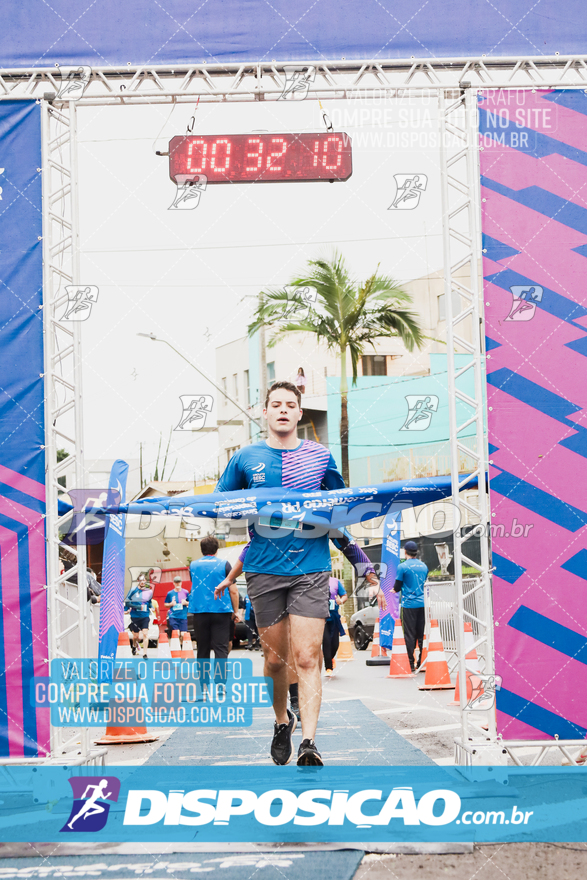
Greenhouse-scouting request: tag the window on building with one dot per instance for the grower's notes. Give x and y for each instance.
(230, 452)
(235, 385)
(224, 389)
(247, 388)
(271, 372)
(456, 305)
(374, 365)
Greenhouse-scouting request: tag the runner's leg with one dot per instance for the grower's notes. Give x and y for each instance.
(275, 643)
(326, 646)
(409, 618)
(306, 642)
(334, 639)
(203, 639)
(220, 624)
(420, 626)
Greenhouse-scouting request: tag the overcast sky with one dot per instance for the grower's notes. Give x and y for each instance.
(186, 275)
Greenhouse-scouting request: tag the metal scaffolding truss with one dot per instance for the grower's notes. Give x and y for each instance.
(455, 82)
(67, 604)
(331, 79)
(462, 246)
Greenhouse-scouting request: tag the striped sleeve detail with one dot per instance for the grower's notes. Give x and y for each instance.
(304, 467)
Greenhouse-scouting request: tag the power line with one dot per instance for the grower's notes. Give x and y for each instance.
(216, 247)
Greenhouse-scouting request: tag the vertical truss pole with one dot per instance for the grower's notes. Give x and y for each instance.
(63, 426)
(77, 393)
(459, 184)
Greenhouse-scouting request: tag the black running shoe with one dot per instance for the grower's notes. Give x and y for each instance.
(308, 755)
(281, 746)
(295, 708)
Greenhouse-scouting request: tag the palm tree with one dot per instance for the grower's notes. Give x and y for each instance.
(347, 316)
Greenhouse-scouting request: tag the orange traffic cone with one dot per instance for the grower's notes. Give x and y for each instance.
(187, 651)
(115, 735)
(437, 674)
(473, 670)
(123, 650)
(378, 654)
(174, 644)
(345, 648)
(164, 652)
(424, 655)
(399, 665)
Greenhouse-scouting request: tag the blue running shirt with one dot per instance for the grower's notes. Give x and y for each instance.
(412, 573)
(179, 610)
(309, 466)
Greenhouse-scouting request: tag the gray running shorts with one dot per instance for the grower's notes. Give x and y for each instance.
(274, 596)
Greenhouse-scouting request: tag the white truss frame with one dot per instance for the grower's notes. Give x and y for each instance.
(455, 81)
(459, 176)
(334, 79)
(68, 613)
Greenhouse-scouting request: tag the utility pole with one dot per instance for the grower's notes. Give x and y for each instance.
(262, 368)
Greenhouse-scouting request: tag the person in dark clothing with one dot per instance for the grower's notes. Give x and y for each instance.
(333, 625)
(212, 617)
(410, 579)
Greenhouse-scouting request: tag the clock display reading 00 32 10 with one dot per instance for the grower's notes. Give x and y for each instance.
(261, 158)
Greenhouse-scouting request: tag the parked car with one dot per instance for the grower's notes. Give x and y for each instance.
(362, 625)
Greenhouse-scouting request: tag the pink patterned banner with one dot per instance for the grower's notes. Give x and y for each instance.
(534, 205)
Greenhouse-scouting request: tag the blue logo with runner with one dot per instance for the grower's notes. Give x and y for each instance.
(90, 802)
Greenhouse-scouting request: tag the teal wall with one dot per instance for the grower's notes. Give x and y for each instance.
(378, 449)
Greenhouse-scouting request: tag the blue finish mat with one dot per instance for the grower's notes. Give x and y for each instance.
(348, 734)
(341, 864)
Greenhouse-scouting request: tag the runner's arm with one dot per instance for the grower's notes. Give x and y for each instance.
(233, 477)
(231, 575)
(332, 478)
(234, 597)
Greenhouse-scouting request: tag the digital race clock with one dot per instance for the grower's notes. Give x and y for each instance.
(262, 158)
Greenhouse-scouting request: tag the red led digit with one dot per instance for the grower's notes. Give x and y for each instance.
(191, 149)
(316, 147)
(338, 144)
(271, 159)
(258, 155)
(262, 157)
(226, 165)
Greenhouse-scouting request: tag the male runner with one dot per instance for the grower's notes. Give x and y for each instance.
(176, 601)
(287, 574)
(139, 599)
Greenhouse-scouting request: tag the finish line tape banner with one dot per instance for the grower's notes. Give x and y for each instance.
(272, 508)
(534, 176)
(294, 804)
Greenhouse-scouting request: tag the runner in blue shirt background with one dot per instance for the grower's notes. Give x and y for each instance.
(410, 579)
(212, 616)
(138, 600)
(176, 601)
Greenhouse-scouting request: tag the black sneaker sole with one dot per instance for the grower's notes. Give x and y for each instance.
(295, 724)
(310, 758)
